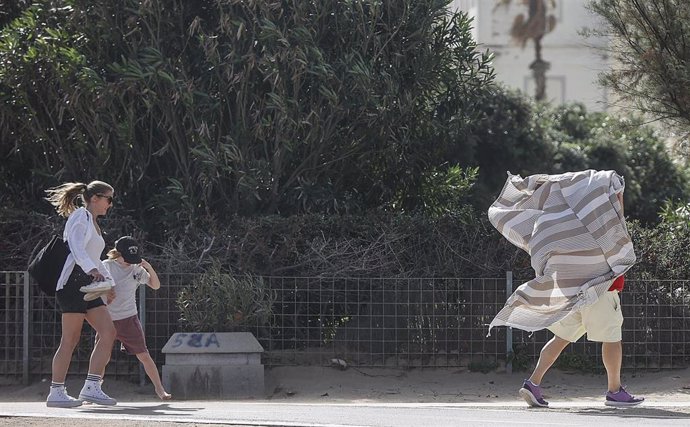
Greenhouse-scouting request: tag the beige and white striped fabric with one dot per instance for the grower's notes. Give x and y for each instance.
(572, 227)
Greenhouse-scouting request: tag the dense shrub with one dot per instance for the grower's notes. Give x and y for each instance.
(367, 159)
(586, 140)
(219, 302)
(510, 135)
(207, 108)
(517, 135)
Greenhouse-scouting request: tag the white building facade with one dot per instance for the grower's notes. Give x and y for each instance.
(574, 62)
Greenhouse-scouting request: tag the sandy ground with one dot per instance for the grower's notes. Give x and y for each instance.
(353, 385)
(324, 384)
(310, 384)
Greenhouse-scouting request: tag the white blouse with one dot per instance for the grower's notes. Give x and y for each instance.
(85, 244)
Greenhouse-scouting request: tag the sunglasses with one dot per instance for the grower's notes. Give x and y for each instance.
(110, 198)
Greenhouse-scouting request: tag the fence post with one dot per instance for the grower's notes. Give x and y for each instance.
(142, 319)
(27, 328)
(509, 330)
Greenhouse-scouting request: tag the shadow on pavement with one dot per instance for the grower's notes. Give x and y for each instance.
(639, 412)
(161, 409)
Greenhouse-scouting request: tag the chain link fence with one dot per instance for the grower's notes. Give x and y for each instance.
(366, 322)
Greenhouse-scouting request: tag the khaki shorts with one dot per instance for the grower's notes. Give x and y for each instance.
(602, 321)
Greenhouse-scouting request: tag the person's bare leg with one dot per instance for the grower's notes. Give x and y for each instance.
(71, 333)
(99, 319)
(612, 356)
(152, 372)
(548, 355)
(109, 357)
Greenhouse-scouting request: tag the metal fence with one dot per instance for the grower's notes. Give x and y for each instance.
(420, 322)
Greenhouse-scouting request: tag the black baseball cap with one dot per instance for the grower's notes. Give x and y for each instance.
(129, 249)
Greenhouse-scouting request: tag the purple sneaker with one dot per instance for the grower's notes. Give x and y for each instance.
(622, 398)
(532, 395)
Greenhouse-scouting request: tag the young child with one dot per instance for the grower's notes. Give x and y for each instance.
(128, 270)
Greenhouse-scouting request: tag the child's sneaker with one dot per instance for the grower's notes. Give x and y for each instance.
(622, 398)
(105, 285)
(58, 398)
(532, 395)
(91, 392)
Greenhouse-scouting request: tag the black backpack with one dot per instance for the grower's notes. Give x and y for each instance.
(47, 265)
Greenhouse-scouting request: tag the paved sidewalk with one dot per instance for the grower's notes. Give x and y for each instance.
(321, 396)
(252, 413)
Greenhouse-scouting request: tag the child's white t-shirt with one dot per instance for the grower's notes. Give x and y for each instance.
(127, 279)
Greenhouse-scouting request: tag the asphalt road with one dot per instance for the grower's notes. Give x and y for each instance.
(186, 413)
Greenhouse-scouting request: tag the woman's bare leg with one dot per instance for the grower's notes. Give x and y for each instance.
(71, 333)
(99, 319)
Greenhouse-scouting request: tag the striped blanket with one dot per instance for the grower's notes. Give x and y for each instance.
(573, 228)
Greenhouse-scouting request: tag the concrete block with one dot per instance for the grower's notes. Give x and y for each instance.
(213, 359)
(213, 365)
(212, 342)
(214, 382)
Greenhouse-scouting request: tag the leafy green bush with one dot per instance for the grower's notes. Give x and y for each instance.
(510, 134)
(521, 357)
(516, 134)
(604, 141)
(205, 108)
(569, 361)
(662, 251)
(221, 302)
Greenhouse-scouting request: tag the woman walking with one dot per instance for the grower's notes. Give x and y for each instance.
(83, 268)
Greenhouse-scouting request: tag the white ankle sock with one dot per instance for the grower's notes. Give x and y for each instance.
(93, 378)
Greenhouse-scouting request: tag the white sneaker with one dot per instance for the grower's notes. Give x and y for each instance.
(90, 296)
(91, 392)
(105, 285)
(58, 398)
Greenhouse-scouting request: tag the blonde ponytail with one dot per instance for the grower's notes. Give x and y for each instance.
(63, 197)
